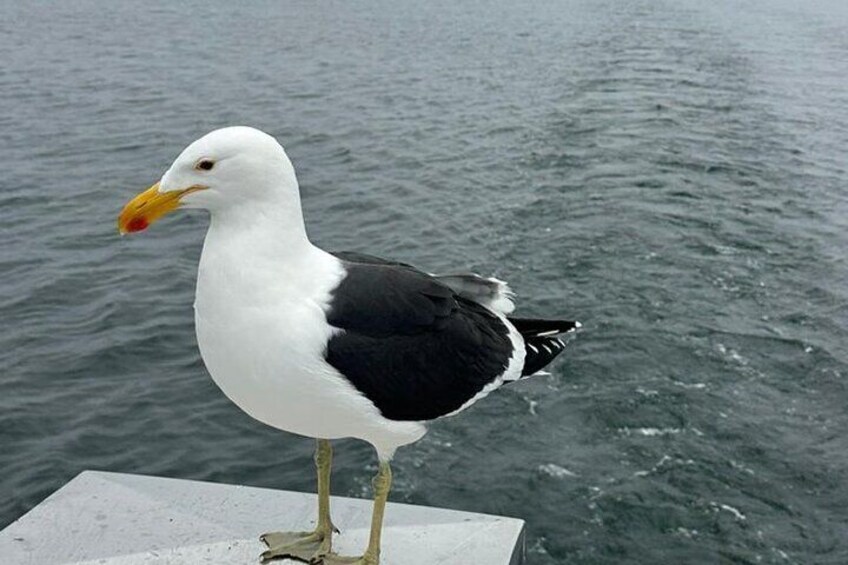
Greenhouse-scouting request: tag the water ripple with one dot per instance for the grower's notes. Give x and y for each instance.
(671, 173)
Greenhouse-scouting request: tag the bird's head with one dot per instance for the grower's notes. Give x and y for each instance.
(222, 170)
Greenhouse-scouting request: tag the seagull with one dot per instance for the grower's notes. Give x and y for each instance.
(331, 345)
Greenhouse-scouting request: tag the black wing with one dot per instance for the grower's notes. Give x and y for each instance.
(485, 291)
(411, 344)
(357, 257)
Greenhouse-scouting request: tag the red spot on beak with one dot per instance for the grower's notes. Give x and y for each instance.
(137, 224)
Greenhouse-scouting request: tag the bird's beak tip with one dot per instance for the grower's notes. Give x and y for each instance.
(133, 225)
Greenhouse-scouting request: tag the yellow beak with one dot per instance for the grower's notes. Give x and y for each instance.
(149, 206)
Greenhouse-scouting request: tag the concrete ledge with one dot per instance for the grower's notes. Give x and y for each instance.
(119, 519)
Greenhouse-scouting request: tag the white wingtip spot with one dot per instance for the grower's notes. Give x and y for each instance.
(532, 348)
(548, 333)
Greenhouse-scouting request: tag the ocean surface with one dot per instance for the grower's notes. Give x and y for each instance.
(671, 173)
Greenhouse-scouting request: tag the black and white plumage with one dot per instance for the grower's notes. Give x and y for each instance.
(421, 346)
(331, 345)
(286, 328)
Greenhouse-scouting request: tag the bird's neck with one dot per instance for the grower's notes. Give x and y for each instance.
(259, 248)
(262, 229)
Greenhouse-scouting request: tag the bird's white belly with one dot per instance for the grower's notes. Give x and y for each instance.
(261, 365)
(268, 358)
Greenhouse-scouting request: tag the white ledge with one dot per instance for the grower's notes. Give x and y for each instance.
(119, 519)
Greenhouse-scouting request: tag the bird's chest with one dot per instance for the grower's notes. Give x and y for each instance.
(254, 343)
(263, 340)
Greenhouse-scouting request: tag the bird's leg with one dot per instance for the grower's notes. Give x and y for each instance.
(324, 464)
(308, 547)
(382, 484)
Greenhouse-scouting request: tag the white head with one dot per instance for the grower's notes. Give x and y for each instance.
(223, 171)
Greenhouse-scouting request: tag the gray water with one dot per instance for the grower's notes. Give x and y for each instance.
(671, 173)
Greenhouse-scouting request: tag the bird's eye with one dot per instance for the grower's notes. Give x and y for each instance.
(204, 165)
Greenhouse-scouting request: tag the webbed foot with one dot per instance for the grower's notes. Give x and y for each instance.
(308, 547)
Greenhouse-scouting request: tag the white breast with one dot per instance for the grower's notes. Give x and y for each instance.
(262, 332)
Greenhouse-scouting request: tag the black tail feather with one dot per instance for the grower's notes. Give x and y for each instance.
(541, 341)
